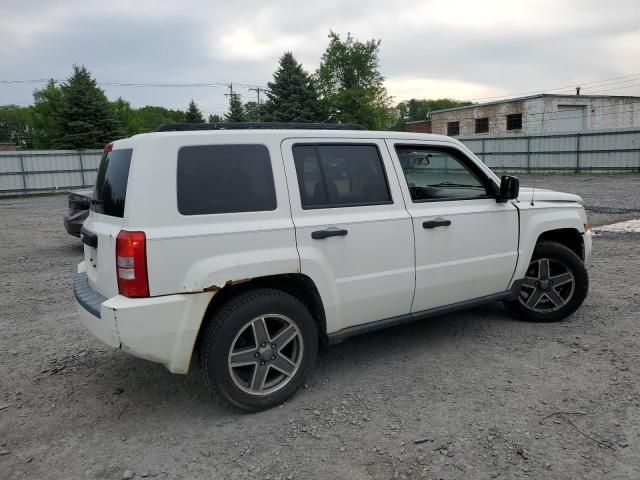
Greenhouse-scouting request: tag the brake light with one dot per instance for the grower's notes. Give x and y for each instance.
(131, 264)
(108, 147)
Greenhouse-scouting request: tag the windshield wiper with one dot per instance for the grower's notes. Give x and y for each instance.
(455, 185)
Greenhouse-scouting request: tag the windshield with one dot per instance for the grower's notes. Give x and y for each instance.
(111, 182)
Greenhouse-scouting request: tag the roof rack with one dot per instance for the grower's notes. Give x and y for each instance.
(186, 127)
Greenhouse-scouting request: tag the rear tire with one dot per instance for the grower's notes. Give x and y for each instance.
(258, 348)
(555, 285)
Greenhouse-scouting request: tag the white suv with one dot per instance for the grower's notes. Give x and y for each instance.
(254, 243)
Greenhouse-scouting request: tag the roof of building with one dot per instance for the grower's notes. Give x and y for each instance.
(530, 97)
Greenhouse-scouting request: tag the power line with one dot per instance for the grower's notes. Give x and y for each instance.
(141, 84)
(555, 89)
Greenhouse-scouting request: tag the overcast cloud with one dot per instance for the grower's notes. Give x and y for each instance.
(431, 48)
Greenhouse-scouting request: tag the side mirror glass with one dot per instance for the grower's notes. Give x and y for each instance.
(509, 188)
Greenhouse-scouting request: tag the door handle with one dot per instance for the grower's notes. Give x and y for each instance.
(438, 222)
(320, 234)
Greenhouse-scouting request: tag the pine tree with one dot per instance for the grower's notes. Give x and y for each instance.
(84, 118)
(292, 95)
(215, 118)
(236, 110)
(193, 114)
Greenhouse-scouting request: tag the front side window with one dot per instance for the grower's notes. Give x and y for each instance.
(435, 174)
(225, 179)
(334, 175)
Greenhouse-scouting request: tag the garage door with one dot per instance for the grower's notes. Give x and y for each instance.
(571, 118)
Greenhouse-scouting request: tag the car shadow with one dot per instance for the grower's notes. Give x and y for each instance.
(148, 388)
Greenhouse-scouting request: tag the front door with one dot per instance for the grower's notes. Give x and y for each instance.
(353, 233)
(466, 242)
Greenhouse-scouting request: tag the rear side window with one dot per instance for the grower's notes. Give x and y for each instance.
(110, 191)
(225, 179)
(334, 175)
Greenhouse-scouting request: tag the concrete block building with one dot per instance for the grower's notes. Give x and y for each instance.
(536, 114)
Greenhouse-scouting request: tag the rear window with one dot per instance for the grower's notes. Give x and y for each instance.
(340, 175)
(110, 190)
(225, 179)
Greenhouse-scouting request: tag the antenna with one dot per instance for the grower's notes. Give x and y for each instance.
(535, 178)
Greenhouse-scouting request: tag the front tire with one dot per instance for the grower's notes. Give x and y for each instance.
(554, 286)
(258, 348)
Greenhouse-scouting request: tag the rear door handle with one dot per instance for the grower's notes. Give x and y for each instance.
(438, 222)
(336, 232)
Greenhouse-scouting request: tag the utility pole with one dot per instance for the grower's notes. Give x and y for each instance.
(257, 90)
(230, 94)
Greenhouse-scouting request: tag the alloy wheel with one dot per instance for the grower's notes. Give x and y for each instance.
(265, 354)
(547, 286)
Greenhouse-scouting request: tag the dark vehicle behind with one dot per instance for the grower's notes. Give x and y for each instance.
(79, 204)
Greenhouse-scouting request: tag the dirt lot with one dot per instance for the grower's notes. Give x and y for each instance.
(486, 395)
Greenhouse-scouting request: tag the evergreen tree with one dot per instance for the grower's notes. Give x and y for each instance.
(84, 117)
(236, 111)
(44, 114)
(193, 114)
(215, 118)
(350, 86)
(292, 95)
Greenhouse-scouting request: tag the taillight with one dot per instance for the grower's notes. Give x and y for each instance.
(108, 147)
(131, 264)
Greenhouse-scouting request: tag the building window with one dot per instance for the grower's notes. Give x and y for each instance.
(514, 121)
(482, 125)
(453, 128)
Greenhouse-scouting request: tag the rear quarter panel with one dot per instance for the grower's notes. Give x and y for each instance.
(191, 253)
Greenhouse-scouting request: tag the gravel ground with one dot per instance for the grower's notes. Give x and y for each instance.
(467, 396)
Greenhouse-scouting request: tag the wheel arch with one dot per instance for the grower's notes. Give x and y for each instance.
(297, 285)
(569, 237)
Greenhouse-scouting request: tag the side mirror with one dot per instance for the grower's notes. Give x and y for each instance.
(509, 188)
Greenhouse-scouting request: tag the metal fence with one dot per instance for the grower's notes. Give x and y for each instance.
(32, 171)
(605, 151)
(610, 151)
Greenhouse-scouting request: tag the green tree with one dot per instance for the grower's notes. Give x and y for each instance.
(16, 126)
(84, 116)
(292, 96)
(193, 115)
(236, 110)
(126, 117)
(215, 118)
(350, 86)
(415, 109)
(151, 117)
(44, 114)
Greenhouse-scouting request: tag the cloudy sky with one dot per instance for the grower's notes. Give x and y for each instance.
(473, 49)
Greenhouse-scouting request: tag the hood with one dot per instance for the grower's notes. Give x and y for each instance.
(543, 195)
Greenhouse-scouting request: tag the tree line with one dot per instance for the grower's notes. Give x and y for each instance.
(347, 87)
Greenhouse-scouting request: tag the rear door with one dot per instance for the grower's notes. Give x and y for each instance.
(466, 242)
(353, 232)
(105, 220)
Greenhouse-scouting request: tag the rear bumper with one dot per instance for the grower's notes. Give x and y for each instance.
(160, 329)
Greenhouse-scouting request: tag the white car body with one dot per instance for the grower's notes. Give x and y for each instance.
(388, 267)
